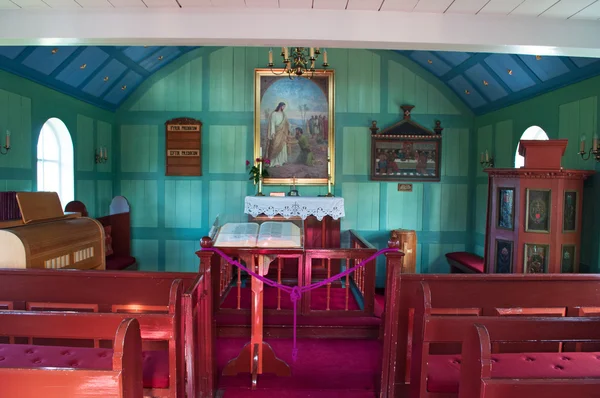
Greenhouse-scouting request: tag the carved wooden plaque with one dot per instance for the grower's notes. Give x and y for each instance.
(183, 147)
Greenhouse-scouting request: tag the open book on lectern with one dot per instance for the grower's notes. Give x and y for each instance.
(272, 234)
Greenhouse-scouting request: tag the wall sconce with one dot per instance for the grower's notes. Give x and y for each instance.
(593, 150)
(101, 155)
(6, 147)
(485, 160)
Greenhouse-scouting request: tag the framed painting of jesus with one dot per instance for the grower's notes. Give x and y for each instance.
(294, 126)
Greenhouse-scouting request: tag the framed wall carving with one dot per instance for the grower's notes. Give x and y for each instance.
(406, 151)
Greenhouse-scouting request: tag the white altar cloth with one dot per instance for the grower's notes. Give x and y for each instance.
(295, 206)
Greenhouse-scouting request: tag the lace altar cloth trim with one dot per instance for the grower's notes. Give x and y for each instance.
(295, 206)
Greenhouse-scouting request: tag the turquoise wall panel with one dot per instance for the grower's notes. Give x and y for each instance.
(85, 191)
(227, 151)
(15, 116)
(578, 119)
(15, 185)
(185, 204)
(404, 209)
(437, 257)
(104, 139)
(104, 189)
(481, 208)
(484, 143)
(504, 147)
(143, 199)
(448, 207)
(455, 152)
(226, 199)
(145, 252)
(181, 255)
(139, 148)
(84, 144)
(356, 151)
(361, 201)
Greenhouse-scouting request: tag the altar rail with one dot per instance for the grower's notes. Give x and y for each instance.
(353, 296)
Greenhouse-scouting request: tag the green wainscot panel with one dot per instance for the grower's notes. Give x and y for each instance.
(142, 197)
(226, 199)
(139, 148)
(183, 204)
(181, 255)
(85, 146)
(404, 209)
(484, 142)
(145, 252)
(104, 195)
(16, 185)
(361, 202)
(15, 116)
(227, 151)
(85, 192)
(448, 207)
(481, 208)
(438, 263)
(104, 140)
(504, 149)
(356, 151)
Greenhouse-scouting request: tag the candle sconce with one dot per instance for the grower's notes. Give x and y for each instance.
(101, 155)
(6, 147)
(593, 150)
(485, 160)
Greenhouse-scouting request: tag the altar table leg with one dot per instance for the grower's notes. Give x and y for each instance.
(248, 361)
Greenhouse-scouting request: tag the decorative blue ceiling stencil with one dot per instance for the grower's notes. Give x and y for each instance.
(105, 76)
(495, 81)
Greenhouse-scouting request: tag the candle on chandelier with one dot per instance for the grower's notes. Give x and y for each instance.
(312, 52)
(582, 144)
(285, 53)
(487, 156)
(271, 56)
(325, 57)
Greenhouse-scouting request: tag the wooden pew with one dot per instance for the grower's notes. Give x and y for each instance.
(435, 375)
(551, 295)
(558, 375)
(47, 377)
(156, 299)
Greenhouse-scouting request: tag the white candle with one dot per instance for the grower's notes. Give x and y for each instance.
(285, 53)
(270, 56)
(328, 164)
(260, 151)
(105, 153)
(7, 139)
(312, 52)
(582, 144)
(487, 156)
(595, 142)
(325, 57)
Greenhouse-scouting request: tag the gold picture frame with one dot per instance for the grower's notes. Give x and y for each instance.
(308, 126)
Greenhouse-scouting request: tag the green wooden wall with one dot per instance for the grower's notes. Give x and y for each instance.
(569, 112)
(24, 108)
(216, 86)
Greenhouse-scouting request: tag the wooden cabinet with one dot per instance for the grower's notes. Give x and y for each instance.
(534, 213)
(408, 245)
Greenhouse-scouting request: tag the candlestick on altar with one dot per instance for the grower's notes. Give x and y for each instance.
(329, 175)
(260, 178)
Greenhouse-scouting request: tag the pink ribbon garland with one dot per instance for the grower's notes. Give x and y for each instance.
(296, 291)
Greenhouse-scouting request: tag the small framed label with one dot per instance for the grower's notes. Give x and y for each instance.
(183, 147)
(405, 187)
(183, 152)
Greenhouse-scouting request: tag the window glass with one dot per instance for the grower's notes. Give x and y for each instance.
(532, 133)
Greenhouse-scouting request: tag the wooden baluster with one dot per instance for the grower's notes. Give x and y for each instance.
(347, 284)
(279, 265)
(223, 277)
(239, 289)
(329, 284)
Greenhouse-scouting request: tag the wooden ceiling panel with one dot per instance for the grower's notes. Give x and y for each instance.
(532, 8)
(94, 3)
(432, 6)
(503, 7)
(364, 5)
(330, 4)
(62, 4)
(399, 5)
(262, 3)
(29, 4)
(566, 8)
(466, 6)
(591, 12)
(296, 4)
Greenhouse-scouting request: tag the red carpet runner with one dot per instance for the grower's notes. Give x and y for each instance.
(325, 368)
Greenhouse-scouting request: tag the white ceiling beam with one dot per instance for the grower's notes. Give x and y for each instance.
(328, 28)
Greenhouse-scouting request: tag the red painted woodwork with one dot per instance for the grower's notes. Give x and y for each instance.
(542, 172)
(543, 154)
(569, 374)
(455, 293)
(123, 379)
(154, 298)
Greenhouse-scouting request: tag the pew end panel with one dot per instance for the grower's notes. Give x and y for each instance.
(122, 377)
(555, 378)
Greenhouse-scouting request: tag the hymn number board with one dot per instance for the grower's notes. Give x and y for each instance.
(183, 147)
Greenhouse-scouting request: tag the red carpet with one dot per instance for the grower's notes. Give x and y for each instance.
(325, 368)
(318, 299)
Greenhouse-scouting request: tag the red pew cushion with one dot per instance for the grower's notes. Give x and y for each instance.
(155, 363)
(443, 372)
(469, 260)
(117, 263)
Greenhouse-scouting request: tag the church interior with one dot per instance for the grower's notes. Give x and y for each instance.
(190, 206)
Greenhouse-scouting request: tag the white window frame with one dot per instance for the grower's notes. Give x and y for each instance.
(531, 133)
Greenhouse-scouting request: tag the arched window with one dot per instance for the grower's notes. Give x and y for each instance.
(532, 133)
(55, 170)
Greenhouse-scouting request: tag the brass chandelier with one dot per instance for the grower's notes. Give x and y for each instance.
(301, 61)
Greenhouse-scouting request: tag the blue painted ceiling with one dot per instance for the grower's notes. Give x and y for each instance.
(106, 76)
